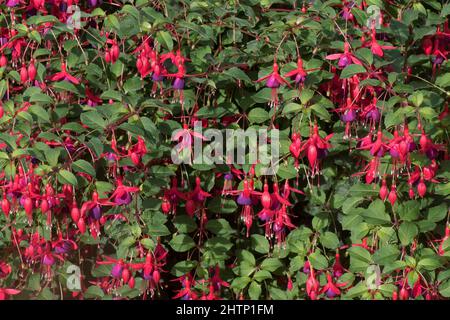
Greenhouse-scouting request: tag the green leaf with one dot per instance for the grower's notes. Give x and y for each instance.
(67, 177)
(376, 214)
(443, 80)
(111, 94)
(287, 171)
(365, 54)
(262, 275)
(34, 35)
(41, 98)
(409, 210)
(443, 189)
(52, 156)
(34, 282)
(329, 240)
(271, 264)
(47, 294)
(65, 86)
(237, 73)
(437, 213)
(306, 95)
(94, 292)
(254, 290)
(386, 254)
(165, 38)
(183, 267)
(360, 258)
(364, 190)
(182, 243)
(318, 261)
(221, 205)
(158, 230)
(258, 115)
(93, 120)
(3, 88)
(350, 204)
(292, 107)
(356, 291)
(277, 294)
(407, 232)
(429, 263)
(321, 111)
(185, 224)
(351, 70)
(219, 227)
(83, 166)
(132, 85)
(260, 243)
(40, 112)
(444, 289)
(240, 283)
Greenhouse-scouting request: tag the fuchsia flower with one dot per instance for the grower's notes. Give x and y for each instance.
(64, 75)
(91, 99)
(5, 270)
(428, 147)
(345, 58)
(121, 196)
(331, 289)
(312, 285)
(186, 292)
(273, 81)
(5, 293)
(299, 74)
(377, 148)
(376, 48)
(316, 149)
(12, 3)
(187, 136)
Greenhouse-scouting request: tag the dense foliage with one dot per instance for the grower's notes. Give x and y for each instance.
(358, 208)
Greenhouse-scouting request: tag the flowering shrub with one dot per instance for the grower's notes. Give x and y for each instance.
(94, 206)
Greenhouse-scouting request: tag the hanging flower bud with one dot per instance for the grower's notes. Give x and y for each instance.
(28, 206)
(156, 276)
(75, 212)
(411, 193)
(131, 283)
(6, 207)
(23, 74)
(404, 294)
(266, 199)
(166, 206)
(395, 295)
(107, 57)
(383, 190)
(312, 155)
(31, 71)
(421, 188)
(3, 61)
(81, 224)
(44, 206)
(393, 195)
(135, 158)
(95, 196)
(126, 275)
